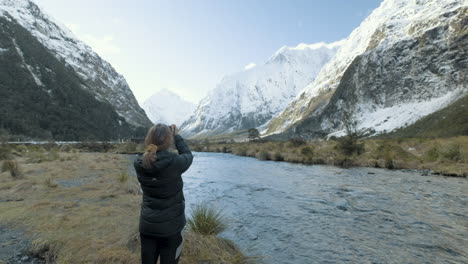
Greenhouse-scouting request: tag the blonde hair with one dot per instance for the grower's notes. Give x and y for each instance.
(159, 137)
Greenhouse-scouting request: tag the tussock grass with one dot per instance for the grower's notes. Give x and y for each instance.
(129, 148)
(13, 167)
(5, 152)
(211, 249)
(42, 156)
(123, 177)
(93, 222)
(49, 182)
(206, 220)
(448, 156)
(263, 155)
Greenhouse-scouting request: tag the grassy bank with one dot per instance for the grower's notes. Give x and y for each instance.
(446, 156)
(84, 208)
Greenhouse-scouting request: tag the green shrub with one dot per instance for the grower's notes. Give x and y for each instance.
(349, 145)
(13, 167)
(307, 152)
(206, 220)
(453, 153)
(432, 154)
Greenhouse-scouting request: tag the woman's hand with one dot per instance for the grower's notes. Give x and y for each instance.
(174, 130)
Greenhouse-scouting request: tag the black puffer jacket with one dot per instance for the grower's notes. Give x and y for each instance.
(163, 205)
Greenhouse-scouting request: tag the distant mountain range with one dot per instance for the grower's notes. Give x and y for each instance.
(54, 86)
(251, 98)
(168, 108)
(408, 59)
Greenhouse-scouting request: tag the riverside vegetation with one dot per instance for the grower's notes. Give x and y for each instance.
(79, 204)
(445, 156)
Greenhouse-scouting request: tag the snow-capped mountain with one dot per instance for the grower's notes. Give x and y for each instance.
(250, 98)
(168, 108)
(98, 76)
(406, 60)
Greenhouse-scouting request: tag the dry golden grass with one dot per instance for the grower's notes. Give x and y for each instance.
(447, 156)
(83, 210)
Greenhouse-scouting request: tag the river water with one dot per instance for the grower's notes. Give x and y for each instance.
(299, 214)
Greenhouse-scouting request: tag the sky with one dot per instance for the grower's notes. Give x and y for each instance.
(187, 46)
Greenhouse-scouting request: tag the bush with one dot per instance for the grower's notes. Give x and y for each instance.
(240, 151)
(263, 155)
(307, 151)
(50, 183)
(296, 142)
(65, 148)
(432, 154)
(453, 153)
(277, 156)
(206, 220)
(349, 145)
(13, 167)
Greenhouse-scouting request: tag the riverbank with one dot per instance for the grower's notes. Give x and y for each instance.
(83, 208)
(444, 156)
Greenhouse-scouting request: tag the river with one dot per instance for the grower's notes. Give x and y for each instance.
(298, 214)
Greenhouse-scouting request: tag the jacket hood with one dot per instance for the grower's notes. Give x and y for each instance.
(163, 160)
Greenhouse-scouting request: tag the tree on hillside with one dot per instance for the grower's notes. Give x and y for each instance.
(254, 134)
(349, 144)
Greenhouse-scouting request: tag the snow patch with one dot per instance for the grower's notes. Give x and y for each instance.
(37, 80)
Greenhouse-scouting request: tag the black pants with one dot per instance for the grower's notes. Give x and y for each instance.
(166, 248)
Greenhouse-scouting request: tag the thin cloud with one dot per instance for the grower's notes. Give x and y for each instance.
(250, 66)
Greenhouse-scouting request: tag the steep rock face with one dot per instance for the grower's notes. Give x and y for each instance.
(168, 108)
(414, 63)
(97, 76)
(252, 97)
(41, 98)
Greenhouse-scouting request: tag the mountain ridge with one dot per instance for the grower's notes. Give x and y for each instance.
(250, 98)
(399, 27)
(98, 76)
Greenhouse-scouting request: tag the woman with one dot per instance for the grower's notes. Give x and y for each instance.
(162, 217)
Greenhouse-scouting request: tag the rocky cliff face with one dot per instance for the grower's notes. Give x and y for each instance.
(252, 97)
(409, 60)
(97, 76)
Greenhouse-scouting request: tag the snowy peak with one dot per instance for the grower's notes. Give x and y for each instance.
(167, 107)
(250, 98)
(305, 53)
